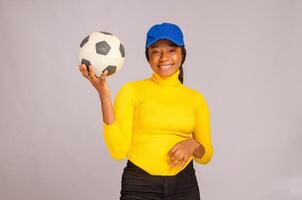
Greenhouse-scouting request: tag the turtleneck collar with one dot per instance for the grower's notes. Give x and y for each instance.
(171, 80)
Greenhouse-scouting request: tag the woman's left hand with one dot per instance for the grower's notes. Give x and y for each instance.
(182, 151)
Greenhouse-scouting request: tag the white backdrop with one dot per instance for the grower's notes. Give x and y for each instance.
(244, 56)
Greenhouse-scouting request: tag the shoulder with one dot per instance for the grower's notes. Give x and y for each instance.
(132, 86)
(197, 97)
(195, 94)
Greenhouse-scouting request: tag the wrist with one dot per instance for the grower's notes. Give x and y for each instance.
(104, 95)
(199, 150)
(195, 145)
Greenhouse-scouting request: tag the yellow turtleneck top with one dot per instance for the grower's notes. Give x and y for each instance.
(152, 115)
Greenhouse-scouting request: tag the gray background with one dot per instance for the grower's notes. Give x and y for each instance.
(244, 56)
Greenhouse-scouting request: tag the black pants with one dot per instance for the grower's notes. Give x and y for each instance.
(137, 184)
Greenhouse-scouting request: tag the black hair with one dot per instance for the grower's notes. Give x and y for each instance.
(184, 54)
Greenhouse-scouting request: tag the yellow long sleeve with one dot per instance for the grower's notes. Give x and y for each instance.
(152, 115)
(118, 135)
(202, 130)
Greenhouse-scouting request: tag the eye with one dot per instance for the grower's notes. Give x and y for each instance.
(155, 52)
(172, 50)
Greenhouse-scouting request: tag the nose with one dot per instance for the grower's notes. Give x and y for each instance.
(164, 56)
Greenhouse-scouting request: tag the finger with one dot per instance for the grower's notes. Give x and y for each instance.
(176, 156)
(80, 68)
(84, 71)
(104, 74)
(175, 159)
(174, 162)
(91, 72)
(173, 150)
(83, 67)
(183, 162)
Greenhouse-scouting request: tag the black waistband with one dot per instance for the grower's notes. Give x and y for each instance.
(188, 168)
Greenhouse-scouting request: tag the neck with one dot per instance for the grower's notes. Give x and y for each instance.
(170, 80)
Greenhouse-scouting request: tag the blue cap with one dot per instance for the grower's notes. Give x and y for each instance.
(166, 31)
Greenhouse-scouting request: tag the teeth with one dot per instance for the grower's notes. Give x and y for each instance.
(165, 66)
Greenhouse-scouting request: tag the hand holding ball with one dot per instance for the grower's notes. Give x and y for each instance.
(102, 50)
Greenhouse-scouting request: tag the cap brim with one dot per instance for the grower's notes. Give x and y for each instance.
(164, 38)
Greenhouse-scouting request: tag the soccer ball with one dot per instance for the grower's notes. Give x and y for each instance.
(102, 50)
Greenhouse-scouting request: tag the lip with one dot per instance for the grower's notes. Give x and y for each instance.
(165, 67)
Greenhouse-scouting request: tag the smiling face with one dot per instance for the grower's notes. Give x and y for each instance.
(164, 57)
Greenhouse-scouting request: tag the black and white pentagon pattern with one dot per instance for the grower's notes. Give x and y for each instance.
(111, 69)
(84, 41)
(86, 62)
(102, 48)
(122, 50)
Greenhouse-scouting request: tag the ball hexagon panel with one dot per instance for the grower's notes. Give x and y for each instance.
(102, 48)
(111, 70)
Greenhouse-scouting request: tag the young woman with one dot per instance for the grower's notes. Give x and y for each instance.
(157, 123)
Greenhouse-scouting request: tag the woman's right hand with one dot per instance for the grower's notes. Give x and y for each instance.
(100, 83)
(103, 90)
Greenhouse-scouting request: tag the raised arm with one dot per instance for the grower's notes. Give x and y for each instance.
(102, 88)
(117, 119)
